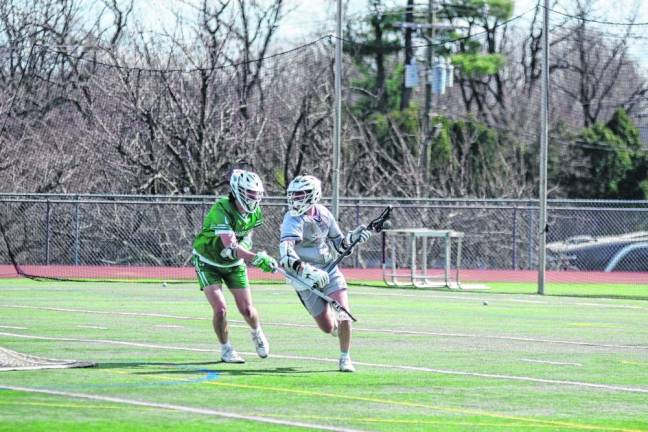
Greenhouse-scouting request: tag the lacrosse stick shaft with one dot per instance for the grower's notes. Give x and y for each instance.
(334, 304)
(343, 255)
(375, 225)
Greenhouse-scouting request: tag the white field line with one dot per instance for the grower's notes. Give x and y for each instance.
(92, 327)
(471, 297)
(13, 327)
(169, 326)
(25, 368)
(610, 387)
(603, 305)
(496, 298)
(155, 315)
(551, 362)
(507, 338)
(361, 329)
(468, 296)
(181, 408)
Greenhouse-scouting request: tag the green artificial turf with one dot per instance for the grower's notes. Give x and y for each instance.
(495, 360)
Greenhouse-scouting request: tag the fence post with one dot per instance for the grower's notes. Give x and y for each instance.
(76, 231)
(48, 233)
(357, 218)
(514, 245)
(530, 239)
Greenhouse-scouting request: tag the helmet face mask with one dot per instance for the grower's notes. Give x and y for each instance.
(303, 193)
(247, 188)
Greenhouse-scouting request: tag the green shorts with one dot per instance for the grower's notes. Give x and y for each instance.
(233, 277)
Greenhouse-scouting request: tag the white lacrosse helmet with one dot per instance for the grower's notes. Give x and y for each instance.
(247, 188)
(303, 193)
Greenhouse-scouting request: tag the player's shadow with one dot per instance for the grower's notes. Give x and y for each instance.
(122, 365)
(273, 371)
(192, 368)
(233, 372)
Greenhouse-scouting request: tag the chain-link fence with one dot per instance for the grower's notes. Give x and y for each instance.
(157, 231)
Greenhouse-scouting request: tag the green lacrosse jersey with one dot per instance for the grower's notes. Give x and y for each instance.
(224, 218)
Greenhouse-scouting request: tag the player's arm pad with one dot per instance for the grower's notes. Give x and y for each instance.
(339, 243)
(288, 258)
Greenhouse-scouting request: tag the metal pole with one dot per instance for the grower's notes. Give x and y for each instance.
(357, 222)
(413, 246)
(514, 240)
(544, 138)
(48, 233)
(77, 242)
(428, 90)
(337, 139)
(448, 258)
(530, 238)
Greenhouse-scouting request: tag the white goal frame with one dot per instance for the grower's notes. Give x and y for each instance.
(419, 276)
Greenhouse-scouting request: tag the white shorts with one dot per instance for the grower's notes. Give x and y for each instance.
(315, 304)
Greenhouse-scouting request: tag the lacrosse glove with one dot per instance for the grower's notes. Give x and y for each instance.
(360, 233)
(314, 277)
(264, 261)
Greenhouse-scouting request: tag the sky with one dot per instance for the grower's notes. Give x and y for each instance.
(306, 20)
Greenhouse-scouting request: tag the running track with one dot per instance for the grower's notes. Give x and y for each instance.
(187, 273)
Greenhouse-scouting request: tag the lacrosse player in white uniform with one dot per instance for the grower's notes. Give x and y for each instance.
(307, 233)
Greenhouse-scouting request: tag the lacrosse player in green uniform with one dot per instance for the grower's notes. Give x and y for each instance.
(220, 253)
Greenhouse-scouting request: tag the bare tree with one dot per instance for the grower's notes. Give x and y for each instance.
(49, 46)
(594, 71)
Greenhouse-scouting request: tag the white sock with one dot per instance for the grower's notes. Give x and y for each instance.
(344, 354)
(257, 330)
(226, 346)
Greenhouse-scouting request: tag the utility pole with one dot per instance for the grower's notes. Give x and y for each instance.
(428, 89)
(544, 143)
(406, 92)
(430, 38)
(428, 32)
(337, 132)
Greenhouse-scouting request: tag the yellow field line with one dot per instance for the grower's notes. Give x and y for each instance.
(418, 405)
(630, 362)
(422, 422)
(593, 325)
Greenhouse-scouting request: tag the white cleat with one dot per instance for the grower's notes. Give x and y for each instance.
(346, 365)
(260, 343)
(231, 356)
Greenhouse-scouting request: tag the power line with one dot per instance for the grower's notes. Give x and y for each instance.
(52, 48)
(459, 39)
(582, 18)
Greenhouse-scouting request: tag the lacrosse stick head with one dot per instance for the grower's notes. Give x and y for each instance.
(381, 222)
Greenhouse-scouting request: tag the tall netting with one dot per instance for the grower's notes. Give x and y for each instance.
(113, 149)
(597, 148)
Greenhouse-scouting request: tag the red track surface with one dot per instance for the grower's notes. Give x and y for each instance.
(176, 273)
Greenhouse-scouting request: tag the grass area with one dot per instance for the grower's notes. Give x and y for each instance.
(426, 360)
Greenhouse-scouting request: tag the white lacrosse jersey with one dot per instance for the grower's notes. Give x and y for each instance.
(313, 235)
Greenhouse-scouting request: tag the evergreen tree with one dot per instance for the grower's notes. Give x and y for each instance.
(604, 161)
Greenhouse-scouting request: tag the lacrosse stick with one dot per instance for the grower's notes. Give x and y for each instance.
(377, 225)
(305, 287)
